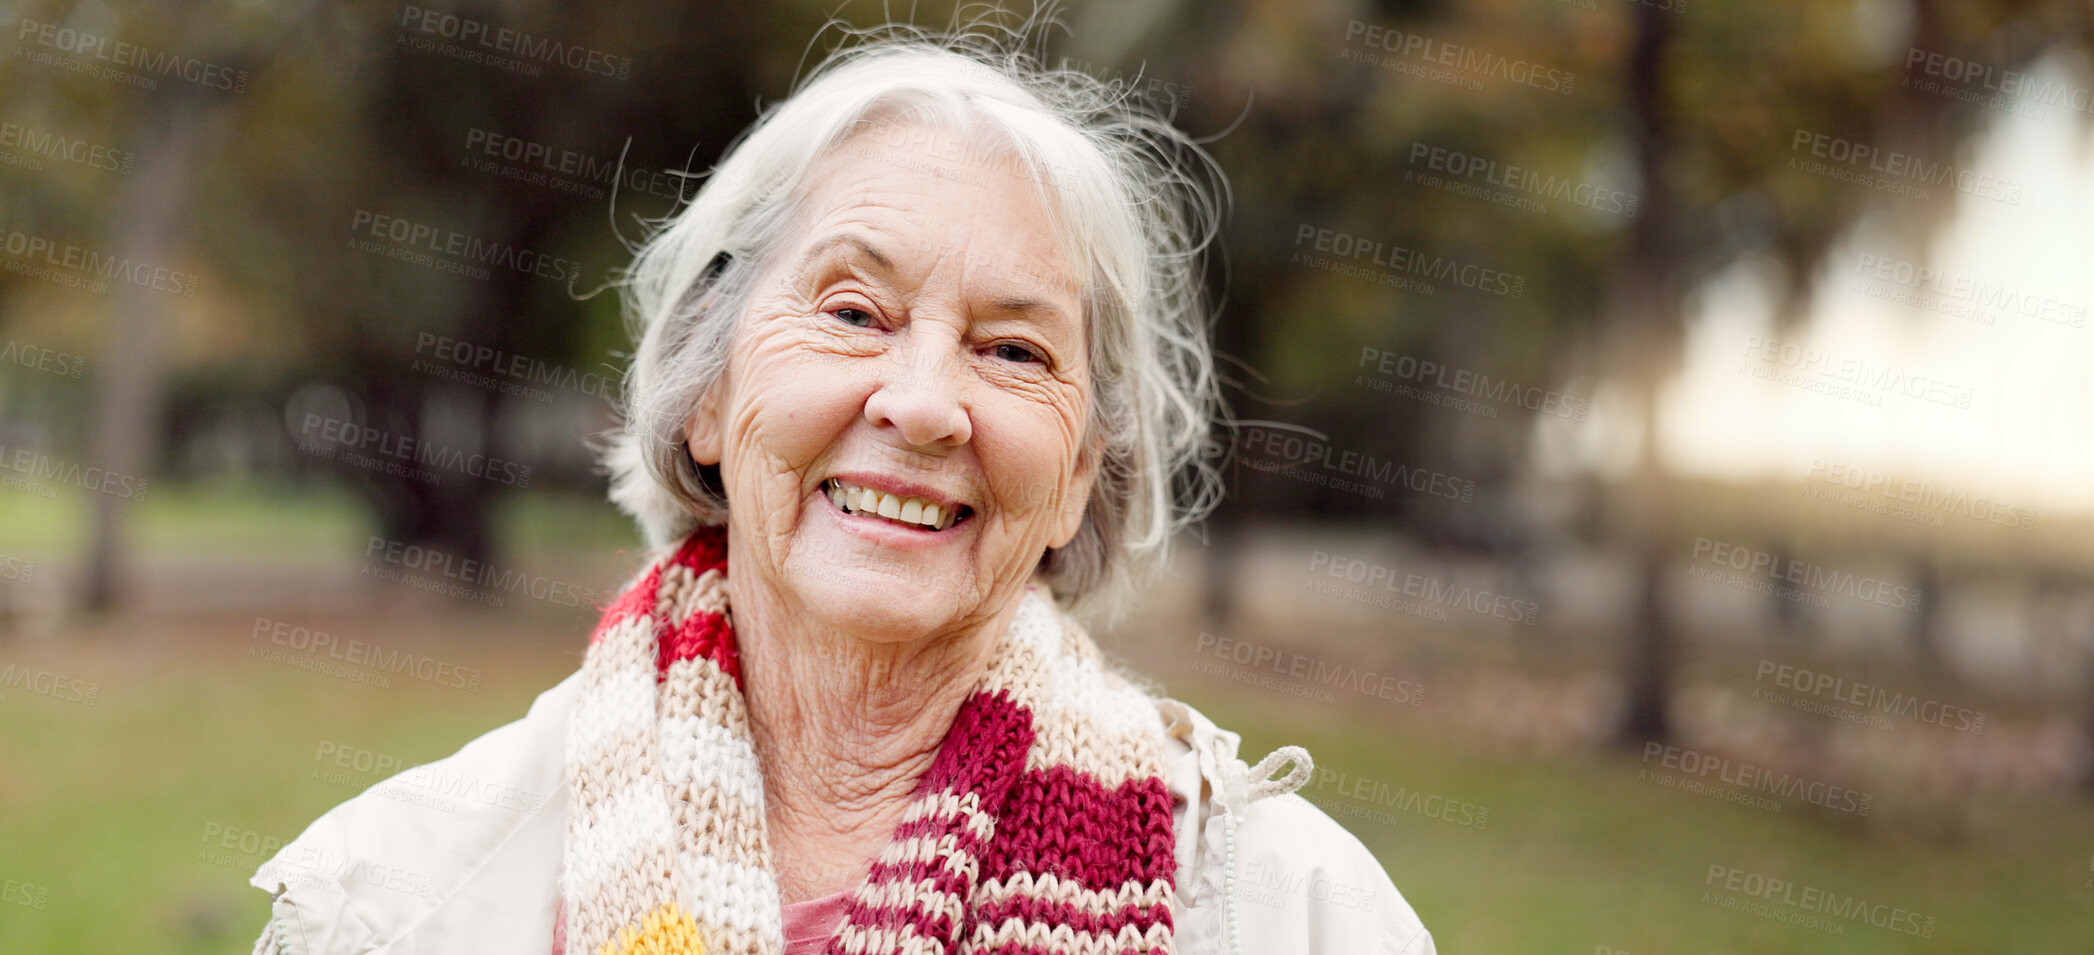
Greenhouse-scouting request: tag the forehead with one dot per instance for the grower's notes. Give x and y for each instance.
(916, 197)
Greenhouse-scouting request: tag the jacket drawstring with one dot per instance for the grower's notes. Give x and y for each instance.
(1265, 786)
(1237, 796)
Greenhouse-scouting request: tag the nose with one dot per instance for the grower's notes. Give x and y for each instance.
(919, 396)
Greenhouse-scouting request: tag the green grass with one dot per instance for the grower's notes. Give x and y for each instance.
(111, 807)
(1579, 853)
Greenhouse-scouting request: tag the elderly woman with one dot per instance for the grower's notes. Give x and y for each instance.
(922, 364)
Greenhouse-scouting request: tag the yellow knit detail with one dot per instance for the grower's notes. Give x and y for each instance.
(667, 930)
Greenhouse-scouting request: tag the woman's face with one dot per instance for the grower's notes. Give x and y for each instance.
(900, 429)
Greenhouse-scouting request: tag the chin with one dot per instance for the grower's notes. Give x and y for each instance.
(885, 604)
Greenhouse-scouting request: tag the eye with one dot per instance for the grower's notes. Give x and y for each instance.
(855, 316)
(1017, 353)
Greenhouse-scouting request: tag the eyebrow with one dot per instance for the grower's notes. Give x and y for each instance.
(1002, 303)
(1015, 304)
(828, 244)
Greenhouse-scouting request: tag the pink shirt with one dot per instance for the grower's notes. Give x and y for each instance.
(809, 924)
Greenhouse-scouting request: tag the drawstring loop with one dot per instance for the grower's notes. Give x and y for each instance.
(1265, 787)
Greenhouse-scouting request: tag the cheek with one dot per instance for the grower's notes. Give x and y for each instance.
(790, 404)
(1028, 448)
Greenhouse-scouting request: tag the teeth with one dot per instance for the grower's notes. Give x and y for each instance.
(907, 510)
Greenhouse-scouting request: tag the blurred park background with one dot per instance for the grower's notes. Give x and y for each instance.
(1662, 475)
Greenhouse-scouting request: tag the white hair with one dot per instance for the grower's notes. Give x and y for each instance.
(1134, 200)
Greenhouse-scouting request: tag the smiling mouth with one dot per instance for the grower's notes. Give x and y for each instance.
(907, 511)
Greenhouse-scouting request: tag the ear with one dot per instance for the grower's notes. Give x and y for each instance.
(701, 431)
(1081, 482)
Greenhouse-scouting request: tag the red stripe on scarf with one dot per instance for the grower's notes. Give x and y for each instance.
(701, 634)
(1062, 821)
(705, 549)
(983, 750)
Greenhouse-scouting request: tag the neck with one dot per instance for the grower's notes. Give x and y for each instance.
(844, 728)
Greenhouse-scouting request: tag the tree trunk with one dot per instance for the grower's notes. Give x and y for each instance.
(1641, 350)
(130, 372)
(1926, 621)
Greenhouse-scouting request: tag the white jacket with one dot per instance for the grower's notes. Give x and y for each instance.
(463, 854)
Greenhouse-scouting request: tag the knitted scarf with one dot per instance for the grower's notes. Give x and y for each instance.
(1042, 826)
